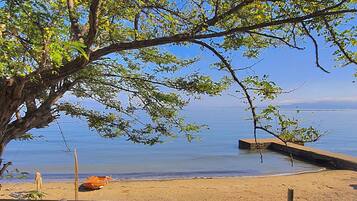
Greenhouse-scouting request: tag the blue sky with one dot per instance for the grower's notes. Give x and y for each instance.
(289, 68)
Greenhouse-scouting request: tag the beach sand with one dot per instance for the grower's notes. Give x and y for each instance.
(326, 185)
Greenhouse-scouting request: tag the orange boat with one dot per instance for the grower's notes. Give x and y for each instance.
(96, 182)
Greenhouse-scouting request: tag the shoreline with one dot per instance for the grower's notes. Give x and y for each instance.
(160, 178)
(318, 185)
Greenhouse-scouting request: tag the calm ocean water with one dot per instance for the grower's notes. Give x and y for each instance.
(216, 154)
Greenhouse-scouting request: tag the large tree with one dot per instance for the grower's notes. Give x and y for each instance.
(119, 54)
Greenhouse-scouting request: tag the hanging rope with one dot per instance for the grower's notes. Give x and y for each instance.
(64, 139)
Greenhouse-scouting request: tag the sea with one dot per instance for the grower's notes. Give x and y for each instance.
(214, 154)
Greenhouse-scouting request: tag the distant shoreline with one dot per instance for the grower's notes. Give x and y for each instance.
(319, 110)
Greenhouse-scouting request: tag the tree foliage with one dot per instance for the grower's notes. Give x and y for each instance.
(119, 54)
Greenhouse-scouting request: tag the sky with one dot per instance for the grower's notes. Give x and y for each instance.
(291, 69)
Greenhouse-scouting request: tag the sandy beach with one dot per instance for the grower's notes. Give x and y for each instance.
(324, 185)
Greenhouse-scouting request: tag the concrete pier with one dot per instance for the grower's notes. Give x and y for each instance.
(316, 156)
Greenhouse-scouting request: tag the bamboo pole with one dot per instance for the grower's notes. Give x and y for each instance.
(75, 175)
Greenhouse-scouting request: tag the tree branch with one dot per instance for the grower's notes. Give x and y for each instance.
(242, 86)
(187, 36)
(339, 45)
(93, 22)
(298, 19)
(316, 48)
(247, 96)
(217, 18)
(4, 167)
(38, 118)
(276, 38)
(76, 32)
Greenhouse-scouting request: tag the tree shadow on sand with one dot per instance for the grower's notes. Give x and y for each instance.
(354, 186)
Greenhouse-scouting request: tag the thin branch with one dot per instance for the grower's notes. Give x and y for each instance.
(172, 12)
(277, 38)
(339, 45)
(248, 67)
(316, 48)
(112, 85)
(144, 80)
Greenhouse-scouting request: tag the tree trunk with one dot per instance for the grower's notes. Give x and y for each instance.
(11, 129)
(10, 100)
(3, 166)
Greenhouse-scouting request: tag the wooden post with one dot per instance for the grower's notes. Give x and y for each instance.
(290, 194)
(38, 181)
(75, 175)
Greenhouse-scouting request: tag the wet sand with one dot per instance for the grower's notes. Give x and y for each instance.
(324, 185)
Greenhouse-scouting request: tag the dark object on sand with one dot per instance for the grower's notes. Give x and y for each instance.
(290, 194)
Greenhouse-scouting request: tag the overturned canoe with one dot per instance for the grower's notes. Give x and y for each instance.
(96, 182)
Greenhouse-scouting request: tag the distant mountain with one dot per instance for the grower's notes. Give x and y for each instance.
(323, 105)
